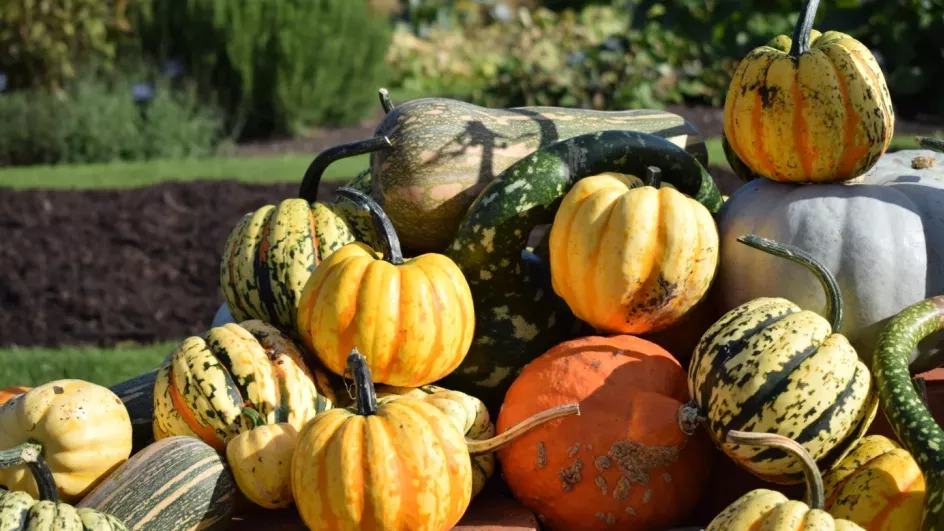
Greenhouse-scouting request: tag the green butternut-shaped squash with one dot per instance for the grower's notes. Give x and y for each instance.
(175, 484)
(431, 157)
(518, 316)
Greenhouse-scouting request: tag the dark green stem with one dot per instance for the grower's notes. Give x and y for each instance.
(653, 177)
(255, 419)
(312, 179)
(804, 25)
(814, 481)
(382, 224)
(799, 256)
(385, 101)
(365, 394)
(31, 454)
(908, 416)
(930, 143)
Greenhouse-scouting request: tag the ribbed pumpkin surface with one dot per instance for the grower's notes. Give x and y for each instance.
(175, 483)
(629, 258)
(768, 366)
(203, 386)
(21, 512)
(272, 252)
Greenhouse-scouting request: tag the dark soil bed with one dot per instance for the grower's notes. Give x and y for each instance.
(103, 267)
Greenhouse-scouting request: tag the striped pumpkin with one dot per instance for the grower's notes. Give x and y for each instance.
(203, 386)
(468, 413)
(769, 366)
(175, 483)
(878, 485)
(811, 108)
(272, 252)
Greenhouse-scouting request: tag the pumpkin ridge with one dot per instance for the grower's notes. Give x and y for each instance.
(406, 490)
(801, 129)
(893, 503)
(730, 120)
(261, 271)
(712, 333)
(438, 343)
(230, 280)
(591, 290)
(426, 268)
(655, 246)
(846, 162)
(732, 349)
(887, 123)
(207, 433)
(760, 156)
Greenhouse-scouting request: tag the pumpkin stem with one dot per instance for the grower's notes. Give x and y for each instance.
(31, 454)
(385, 101)
(814, 480)
(382, 224)
(804, 25)
(365, 394)
(653, 177)
(500, 441)
(799, 256)
(312, 179)
(255, 419)
(930, 143)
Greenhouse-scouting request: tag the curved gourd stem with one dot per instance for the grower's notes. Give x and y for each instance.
(795, 254)
(814, 481)
(255, 419)
(382, 224)
(930, 143)
(31, 454)
(653, 177)
(312, 179)
(499, 441)
(804, 25)
(365, 394)
(385, 101)
(909, 417)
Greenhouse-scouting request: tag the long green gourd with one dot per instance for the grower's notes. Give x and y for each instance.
(909, 417)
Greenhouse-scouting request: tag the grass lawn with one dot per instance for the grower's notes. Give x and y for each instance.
(35, 366)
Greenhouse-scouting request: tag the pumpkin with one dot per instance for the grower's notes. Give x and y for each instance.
(83, 429)
(907, 414)
(878, 485)
(19, 510)
(203, 386)
(883, 240)
(261, 461)
(467, 412)
(771, 510)
(176, 483)
(814, 108)
(9, 392)
(413, 319)
(631, 259)
(400, 464)
(270, 254)
(625, 462)
(431, 157)
(770, 366)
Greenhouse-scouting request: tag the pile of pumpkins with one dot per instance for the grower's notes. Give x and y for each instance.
(559, 293)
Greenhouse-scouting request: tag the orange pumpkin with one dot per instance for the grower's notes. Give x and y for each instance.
(624, 462)
(9, 392)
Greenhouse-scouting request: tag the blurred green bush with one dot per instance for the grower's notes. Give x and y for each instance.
(93, 117)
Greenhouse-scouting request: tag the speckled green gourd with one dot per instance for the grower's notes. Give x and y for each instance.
(909, 417)
(518, 316)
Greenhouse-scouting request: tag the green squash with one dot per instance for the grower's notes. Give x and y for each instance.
(882, 238)
(20, 511)
(431, 157)
(518, 316)
(908, 415)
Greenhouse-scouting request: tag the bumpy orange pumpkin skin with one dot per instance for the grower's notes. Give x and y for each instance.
(9, 392)
(628, 258)
(412, 319)
(624, 463)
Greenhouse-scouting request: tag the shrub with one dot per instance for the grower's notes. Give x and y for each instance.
(94, 118)
(277, 67)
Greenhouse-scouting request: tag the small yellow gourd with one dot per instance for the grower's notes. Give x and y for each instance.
(261, 461)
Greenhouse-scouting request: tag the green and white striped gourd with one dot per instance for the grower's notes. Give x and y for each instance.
(770, 366)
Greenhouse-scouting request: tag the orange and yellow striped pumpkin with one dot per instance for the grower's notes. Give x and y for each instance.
(814, 108)
(412, 319)
(631, 259)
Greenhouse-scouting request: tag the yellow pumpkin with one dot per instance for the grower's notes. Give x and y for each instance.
(878, 485)
(83, 428)
(628, 258)
(771, 510)
(412, 319)
(467, 412)
(814, 108)
(261, 461)
(397, 464)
